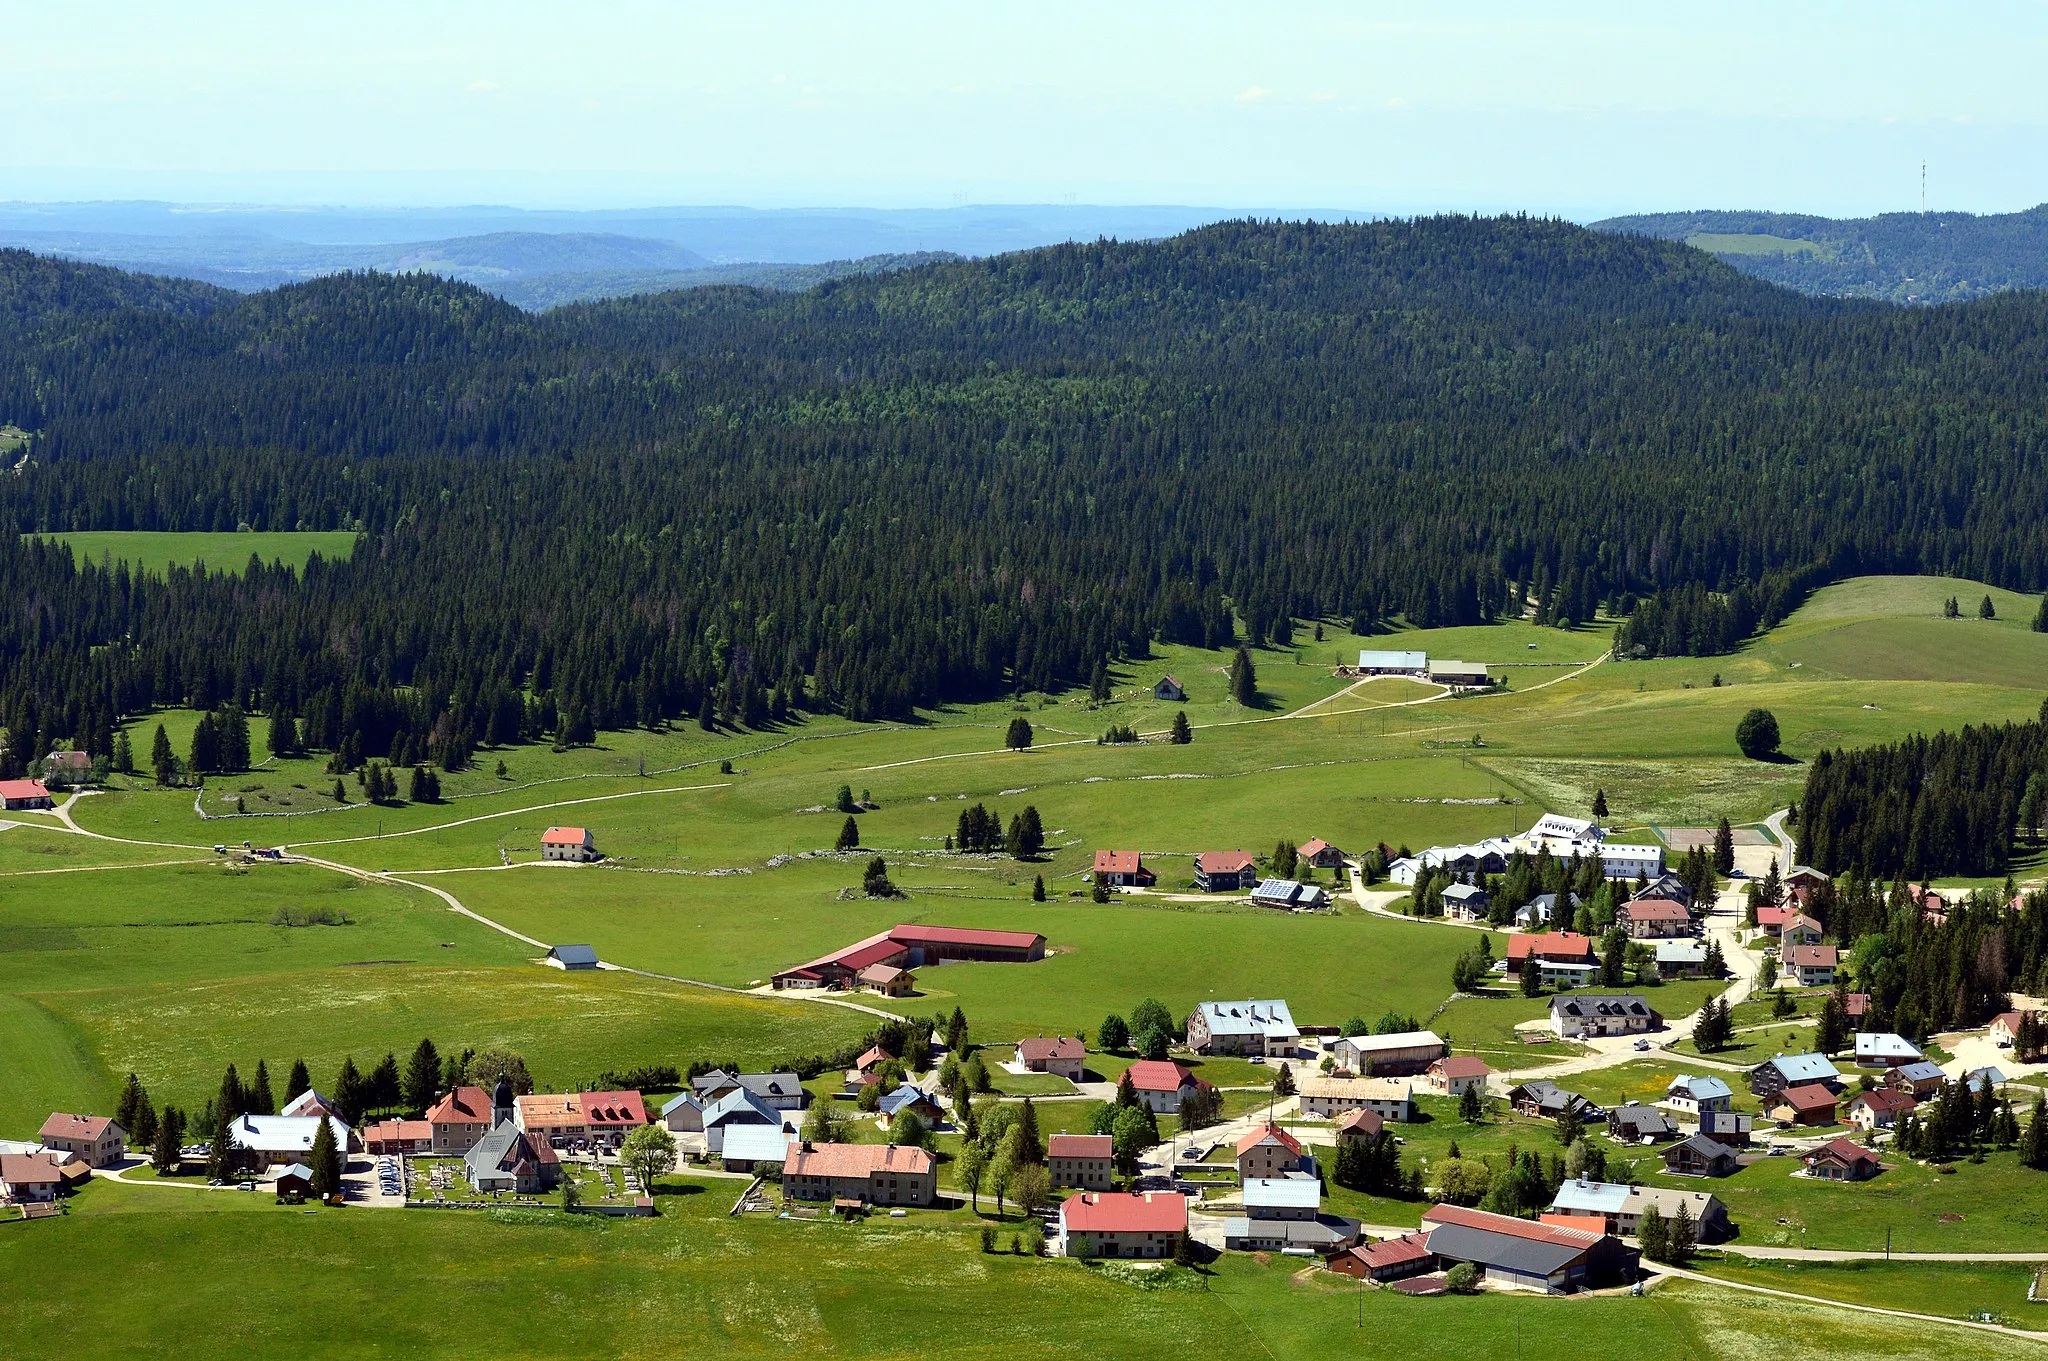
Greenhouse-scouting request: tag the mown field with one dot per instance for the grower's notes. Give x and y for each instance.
(462, 1284)
(152, 551)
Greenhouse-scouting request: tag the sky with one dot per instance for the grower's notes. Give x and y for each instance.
(1580, 110)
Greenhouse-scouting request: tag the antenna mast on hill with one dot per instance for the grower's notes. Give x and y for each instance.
(1923, 186)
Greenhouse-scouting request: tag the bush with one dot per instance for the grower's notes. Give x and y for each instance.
(1463, 1279)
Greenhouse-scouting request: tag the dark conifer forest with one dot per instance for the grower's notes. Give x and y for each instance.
(726, 504)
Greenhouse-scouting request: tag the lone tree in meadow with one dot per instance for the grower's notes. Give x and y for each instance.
(1244, 678)
(1018, 738)
(849, 836)
(1599, 803)
(1757, 734)
(2041, 615)
(1182, 734)
(1985, 609)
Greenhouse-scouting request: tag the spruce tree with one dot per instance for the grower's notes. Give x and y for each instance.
(298, 1083)
(1682, 1238)
(2041, 615)
(1019, 735)
(261, 1102)
(1653, 1236)
(163, 760)
(348, 1092)
(221, 1156)
(232, 1101)
(849, 836)
(1244, 678)
(2034, 1151)
(124, 754)
(163, 1153)
(1532, 983)
(1599, 803)
(422, 1077)
(1985, 609)
(325, 1161)
(1724, 848)
(1038, 889)
(132, 1099)
(1181, 733)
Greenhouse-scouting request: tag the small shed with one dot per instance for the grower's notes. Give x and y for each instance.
(1168, 688)
(295, 1182)
(572, 957)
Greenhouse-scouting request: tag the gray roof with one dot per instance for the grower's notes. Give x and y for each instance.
(1262, 1018)
(1590, 1197)
(1701, 1086)
(1921, 1071)
(574, 954)
(906, 1095)
(1322, 1233)
(1282, 1193)
(1644, 1119)
(1550, 1096)
(677, 1103)
(1529, 1256)
(1884, 1044)
(756, 1143)
(490, 1153)
(1707, 1146)
(1601, 1004)
(1803, 1067)
(1465, 893)
(742, 1107)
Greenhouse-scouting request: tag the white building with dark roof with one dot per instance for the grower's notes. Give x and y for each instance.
(1251, 1027)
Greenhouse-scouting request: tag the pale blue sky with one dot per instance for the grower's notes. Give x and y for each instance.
(1580, 109)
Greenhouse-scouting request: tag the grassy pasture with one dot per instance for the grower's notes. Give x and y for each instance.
(1754, 243)
(398, 1278)
(155, 551)
(1944, 1289)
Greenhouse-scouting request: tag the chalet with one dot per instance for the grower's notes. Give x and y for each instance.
(1620, 1208)
(1667, 888)
(573, 844)
(1389, 1098)
(1883, 1049)
(754, 1148)
(1566, 947)
(1403, 1053)
(1459, 675)
(1518, 1254)
(1122, 869)
(608, 1117)
(1121, 1224)
(1770, 921)
(1251, 1027)
(1701, 1156)
(458, 1120)
(1466, 902)
(1454, 1075)
(1160, 1084)
(1774, 1075)
(1809, 1103)
(875, 1174)
(276, 1140)
(17, 795)
(1321, 854)
(572, 957)
(95, 1138)
(1880, 1108)
(1801, 929)
(1581, 1015)
(1062, 1056)
(390, 1138)
(1546, 1100)
(1810, 966)
(1284, 1214)
(1356, 1125)
(912, 946)
(1393, 663)
(1167, 688)
(1270, 1151)
(30, 1178)
(2004, 1028)
(910, 1097)
(888, 980)
(1086, 1161)
(1289, 895)
(1680, 957)
(1692, 1093)
(1634, 1123)
(1224, 871)
(1390, 1259)
(508, 1159)
(67, 768)
(1919, 1079)
(1841, 1160)
(1655, 919)
(1805, 877)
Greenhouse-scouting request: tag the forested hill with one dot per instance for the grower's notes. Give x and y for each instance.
(1901, 257)
(979, 474)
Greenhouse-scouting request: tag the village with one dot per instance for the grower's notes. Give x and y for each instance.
(1593, 1193)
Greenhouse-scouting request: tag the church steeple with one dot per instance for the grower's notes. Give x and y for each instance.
(501, 1101)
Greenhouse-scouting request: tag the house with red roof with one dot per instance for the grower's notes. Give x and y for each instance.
(608, 1117)
(1800, 929)
(1809, 1103)
(913, 946)
(16, 795)
(1061, 1056)
(1122, 869)
(1121, 1224)
(1655, 919)
(389, 1138)
(1390, 1259)
(1359, 1123)
(1454, 1073)
(1270, 1151)
(1811, 966)
(1161, 1083)
(1087, 1161)
(1556, 947)
(1842, 1160)
(1321, 854)
(1771, 920)
(30, 1178)
(573, 844)
(95, 1138)
(1880, 1108)
(459, 1119)
(1225, 871)
(873, 1174)
(1523, 1255)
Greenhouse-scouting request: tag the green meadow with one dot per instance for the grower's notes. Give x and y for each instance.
(155, 551)
(458, 1284)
